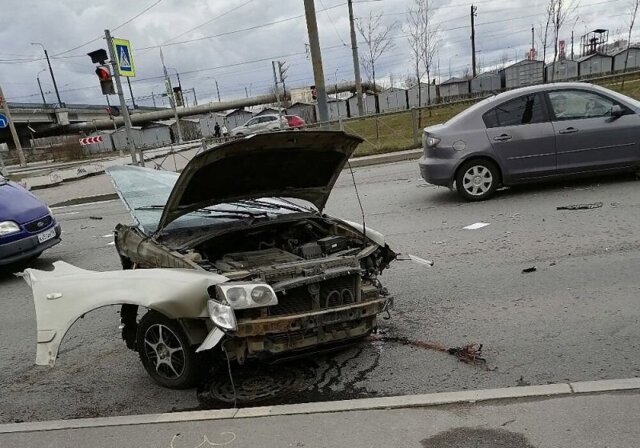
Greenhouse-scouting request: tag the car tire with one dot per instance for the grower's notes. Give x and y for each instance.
(166, 353)
(477, 180)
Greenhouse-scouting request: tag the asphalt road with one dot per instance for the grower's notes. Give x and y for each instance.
(574, 318)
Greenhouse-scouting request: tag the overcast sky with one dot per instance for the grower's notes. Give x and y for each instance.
(239, 38)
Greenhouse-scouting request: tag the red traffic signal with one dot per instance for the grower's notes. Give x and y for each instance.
(106, 82)
(103, 73)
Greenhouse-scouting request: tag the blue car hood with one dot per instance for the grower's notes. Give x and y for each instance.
(17, 204)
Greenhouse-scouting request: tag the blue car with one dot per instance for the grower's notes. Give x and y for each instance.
(27, 226)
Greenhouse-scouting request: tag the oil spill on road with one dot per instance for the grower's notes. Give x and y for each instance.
(327, 377)
(323, 378)
(477, 438)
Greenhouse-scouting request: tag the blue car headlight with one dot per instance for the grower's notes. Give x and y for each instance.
(8, 227)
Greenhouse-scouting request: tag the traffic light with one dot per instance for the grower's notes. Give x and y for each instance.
(177, 93)
(106, 82)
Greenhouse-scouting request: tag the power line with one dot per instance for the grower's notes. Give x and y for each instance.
(207, 22)
(113, 29)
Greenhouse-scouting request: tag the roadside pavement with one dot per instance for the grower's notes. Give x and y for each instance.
(93, 188)
(587, 414)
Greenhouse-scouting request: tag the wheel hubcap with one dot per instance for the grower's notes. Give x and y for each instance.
(477, 180)
(164, 350)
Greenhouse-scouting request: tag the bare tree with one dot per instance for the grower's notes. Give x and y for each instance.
(562, 10)
(430, 44)
(633, 12)
(377, 38)
(543, 30)
(415, 33)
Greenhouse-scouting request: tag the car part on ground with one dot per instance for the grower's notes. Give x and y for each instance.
(533, 134)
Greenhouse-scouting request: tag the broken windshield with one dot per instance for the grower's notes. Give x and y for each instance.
(145, 191)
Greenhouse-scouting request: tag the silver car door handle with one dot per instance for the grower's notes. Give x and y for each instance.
(502, 138)
(569, 131)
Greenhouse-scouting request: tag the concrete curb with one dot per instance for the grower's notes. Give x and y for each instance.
(86, 200)
(399, 156)
(359, 162)
(408, 401)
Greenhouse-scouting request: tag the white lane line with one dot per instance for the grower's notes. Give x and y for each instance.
(476, 226)
(67, 213)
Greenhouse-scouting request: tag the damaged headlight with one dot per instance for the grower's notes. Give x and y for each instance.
(248, 295)
(222, 315)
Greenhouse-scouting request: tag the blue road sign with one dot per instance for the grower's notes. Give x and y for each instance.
(4, 121)
(124, 57)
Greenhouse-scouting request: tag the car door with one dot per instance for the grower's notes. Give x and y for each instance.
(522, 137)
(252, 125)
(588, 138)
(269, 123)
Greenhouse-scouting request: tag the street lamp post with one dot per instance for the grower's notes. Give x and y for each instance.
(53, 78)
(44, 101)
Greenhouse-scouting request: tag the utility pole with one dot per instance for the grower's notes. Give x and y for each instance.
(153, 98)
(12, 128)
(533, 39)
(44, 101)
(572, 45)
(246, 93)
(133, 101)
(356, 61)
(123, 105)
(474, 12)
(195, 98)
(316, 61)
(172, 97)
(218, 89)
(53, 78)
(115, 126)
(275, 80)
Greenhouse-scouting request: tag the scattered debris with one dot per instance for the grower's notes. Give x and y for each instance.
(528, 270)
(615, 204)
(470, 353)
(553, 263)
(522, 382)
(476, 226)
(415, 259)
(508, 422)
(580, 206)
(95, 217)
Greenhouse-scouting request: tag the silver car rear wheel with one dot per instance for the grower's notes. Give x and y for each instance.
(477, 180)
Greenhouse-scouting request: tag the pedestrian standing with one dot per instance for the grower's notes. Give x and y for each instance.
(225, 132)
(216, 130)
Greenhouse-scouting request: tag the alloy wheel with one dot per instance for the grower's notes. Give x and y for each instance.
(164, 350)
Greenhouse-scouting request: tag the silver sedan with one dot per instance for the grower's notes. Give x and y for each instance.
(533, 134)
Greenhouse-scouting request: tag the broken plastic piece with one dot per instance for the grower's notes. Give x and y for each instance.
(528, 270)
(579, 206)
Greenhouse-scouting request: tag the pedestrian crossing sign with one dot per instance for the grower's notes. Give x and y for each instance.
(124, 57)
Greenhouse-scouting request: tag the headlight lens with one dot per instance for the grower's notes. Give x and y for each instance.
(262, 295)
(8, 227)
(222, 315)
(247, 295)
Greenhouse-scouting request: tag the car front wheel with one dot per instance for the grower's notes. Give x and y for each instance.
(165, 352)
(477, 180)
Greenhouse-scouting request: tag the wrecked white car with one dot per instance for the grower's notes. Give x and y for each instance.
(225, 265)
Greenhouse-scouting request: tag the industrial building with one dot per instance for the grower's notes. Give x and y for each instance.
(523, 73)
(562, 70)
(486, 82)
(595, 64)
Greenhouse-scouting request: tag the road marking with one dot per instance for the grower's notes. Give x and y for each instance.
(476, 226)
(82, 205)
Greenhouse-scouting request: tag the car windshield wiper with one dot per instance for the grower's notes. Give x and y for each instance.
(293, 207)
(212, 213)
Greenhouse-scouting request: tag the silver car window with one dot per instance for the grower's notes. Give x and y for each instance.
(526, 109)
(579, 104)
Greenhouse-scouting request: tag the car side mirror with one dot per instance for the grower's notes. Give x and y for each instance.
(617, 111)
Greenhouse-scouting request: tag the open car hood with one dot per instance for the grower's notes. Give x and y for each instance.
(303, 165)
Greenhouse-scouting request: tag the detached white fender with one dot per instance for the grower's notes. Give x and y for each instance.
(65, 294)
